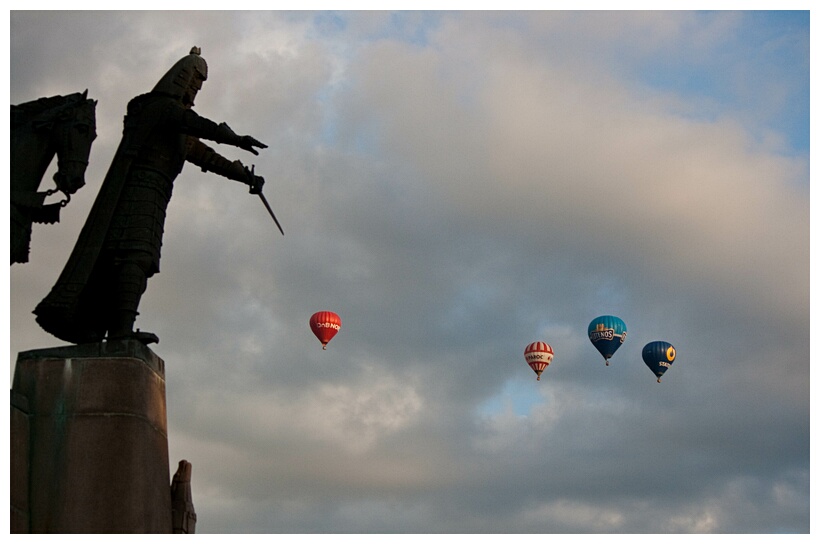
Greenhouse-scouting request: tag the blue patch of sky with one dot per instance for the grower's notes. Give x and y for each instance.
(329, 22)
(766, 46)
(411, 27)
(784, 38)
(330, 26)
(519, 394)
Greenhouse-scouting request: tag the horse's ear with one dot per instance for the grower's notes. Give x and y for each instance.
(85, 94)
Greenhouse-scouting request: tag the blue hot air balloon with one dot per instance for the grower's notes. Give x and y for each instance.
(607, 333)
(659, 356)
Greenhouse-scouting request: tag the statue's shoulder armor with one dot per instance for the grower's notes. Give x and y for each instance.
(154, 109)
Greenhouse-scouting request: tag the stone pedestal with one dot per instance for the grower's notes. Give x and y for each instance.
(89, 441)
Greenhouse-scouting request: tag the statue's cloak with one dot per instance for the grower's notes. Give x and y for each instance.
(73, 310)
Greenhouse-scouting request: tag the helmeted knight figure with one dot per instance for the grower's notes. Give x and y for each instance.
(118, 249)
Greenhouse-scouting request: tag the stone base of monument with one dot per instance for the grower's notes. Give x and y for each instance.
(89, 441)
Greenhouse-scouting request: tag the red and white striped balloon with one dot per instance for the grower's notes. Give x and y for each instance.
(539, 356)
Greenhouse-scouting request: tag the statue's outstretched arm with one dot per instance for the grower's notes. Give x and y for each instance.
(210, 161)
(201, 127)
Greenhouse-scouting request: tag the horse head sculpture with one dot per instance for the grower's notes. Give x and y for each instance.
(59, 125)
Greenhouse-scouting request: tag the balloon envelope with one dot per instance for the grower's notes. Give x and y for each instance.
(325, 325)
(539, 356)
(659, 356)
(607, 333)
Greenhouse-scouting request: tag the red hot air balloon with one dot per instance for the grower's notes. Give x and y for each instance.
(539, 356)
(325, 325)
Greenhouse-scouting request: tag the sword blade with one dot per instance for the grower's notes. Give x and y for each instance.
(270, 211)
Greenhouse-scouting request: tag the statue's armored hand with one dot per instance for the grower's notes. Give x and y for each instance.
(256, 185)
(254, 182)
(225, 135)
(249, 142)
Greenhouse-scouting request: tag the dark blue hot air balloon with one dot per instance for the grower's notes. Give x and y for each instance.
(607, 333)
(659, 356)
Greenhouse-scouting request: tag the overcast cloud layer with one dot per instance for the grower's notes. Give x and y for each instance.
(456, 186)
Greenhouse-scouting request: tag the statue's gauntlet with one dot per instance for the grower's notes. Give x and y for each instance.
(226, 135)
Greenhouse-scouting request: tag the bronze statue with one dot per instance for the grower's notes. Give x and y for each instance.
(61, 125)
(118, 249)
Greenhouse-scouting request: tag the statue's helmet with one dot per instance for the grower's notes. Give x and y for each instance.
(185, 77)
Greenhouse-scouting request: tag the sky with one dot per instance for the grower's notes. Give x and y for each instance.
(456, 185)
